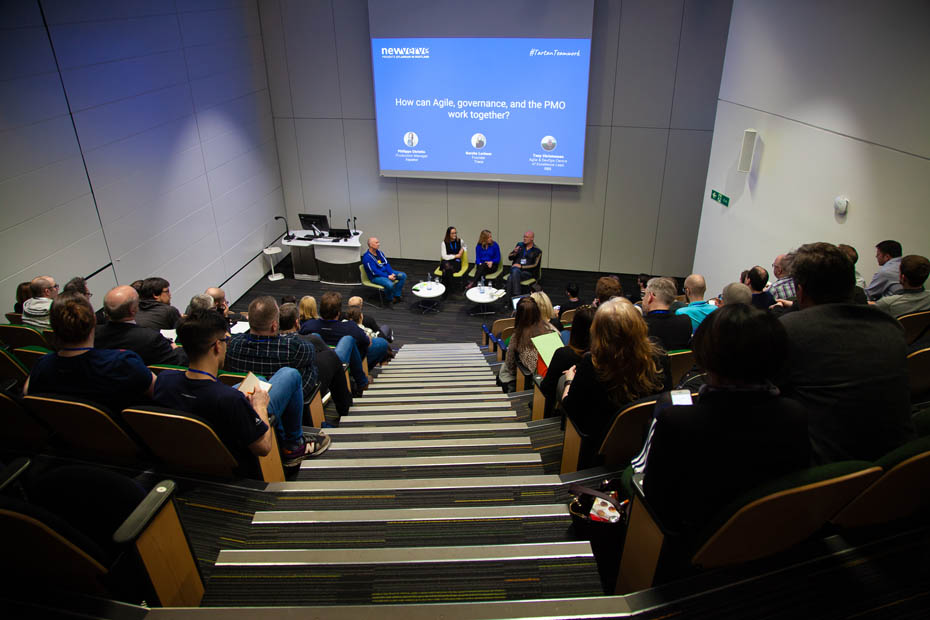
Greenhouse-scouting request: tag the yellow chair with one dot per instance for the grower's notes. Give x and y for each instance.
(366, 281)
(461, 272)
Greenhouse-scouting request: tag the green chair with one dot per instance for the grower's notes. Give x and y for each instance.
(528, 281)
(367, 282)
(490, 276)
(461, 272)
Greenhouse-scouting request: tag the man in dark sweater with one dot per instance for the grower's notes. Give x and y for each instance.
(155, 309)
(846, 362)
(121, 331)
(673, 331)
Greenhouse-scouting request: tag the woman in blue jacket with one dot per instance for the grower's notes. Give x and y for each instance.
(487, 256)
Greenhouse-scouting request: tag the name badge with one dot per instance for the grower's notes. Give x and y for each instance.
(522, 261)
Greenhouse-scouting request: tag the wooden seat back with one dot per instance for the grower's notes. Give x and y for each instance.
(914, 324)
(567, 316)
(918, 371)
(12, 368)
(627, 433)
(680, 363)
(16, 336)
(30, 355)
(21, 431)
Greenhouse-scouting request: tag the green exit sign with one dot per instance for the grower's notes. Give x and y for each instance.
(724, 200)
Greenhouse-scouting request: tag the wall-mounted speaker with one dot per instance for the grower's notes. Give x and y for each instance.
(747, 151)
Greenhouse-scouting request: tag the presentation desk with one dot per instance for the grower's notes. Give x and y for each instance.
(328, 260)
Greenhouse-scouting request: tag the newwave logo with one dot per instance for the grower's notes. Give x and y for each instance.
(405, 51)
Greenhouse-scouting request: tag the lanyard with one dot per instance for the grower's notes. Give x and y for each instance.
(75, 348)
(201, 372)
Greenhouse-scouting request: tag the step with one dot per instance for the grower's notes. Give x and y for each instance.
(413, 417)
(503, 404)
(423, 461)
(402, 555)
(371, 398)
(278, 517)
(427, 444)
(427, 428)
(469, 482)
(416, 390)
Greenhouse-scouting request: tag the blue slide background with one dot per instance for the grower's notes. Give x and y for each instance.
(482, 69)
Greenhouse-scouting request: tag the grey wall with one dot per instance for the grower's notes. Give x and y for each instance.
(655, 74)
(835, 116)
(170, 112)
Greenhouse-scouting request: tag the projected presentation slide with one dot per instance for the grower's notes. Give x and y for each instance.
(507, 109)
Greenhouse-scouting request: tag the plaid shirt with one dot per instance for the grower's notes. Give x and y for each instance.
(784, 289)
(265, 355)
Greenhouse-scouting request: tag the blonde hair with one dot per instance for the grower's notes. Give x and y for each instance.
(308, 309)
(484, 238)
(622, 354)
(545, 305)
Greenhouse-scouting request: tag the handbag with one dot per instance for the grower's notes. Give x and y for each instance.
(606, 537)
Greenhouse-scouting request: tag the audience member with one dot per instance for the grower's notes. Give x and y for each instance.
(23, 292)
(853, 256)
(846, 362)
(36, 309)
(487, 257)
(113, 379)
(784, 283)
(524, 263)
(740, 423)
(579, 342)
(121, 332)
(240, 420)
(606, 288)
(78, 284)
(451, 251)
(623, 366)
(307, 309)
(736, 293)
(887, 280)
(546, 310)
(528, 323)
(912, 297)
(222, 306)
(369, 321)
(287, 362)
(671, 331)
(200, 302)
(288, 299)
(328, 364)
(155, 309)
(380, 271)
(756, 279)
(350, 341)
(697, 309)
(571, 291)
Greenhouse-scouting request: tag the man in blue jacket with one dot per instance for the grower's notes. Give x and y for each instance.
(380, 271)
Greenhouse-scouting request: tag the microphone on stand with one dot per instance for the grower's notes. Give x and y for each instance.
(349, 226)
(354, 225)
(287, 231)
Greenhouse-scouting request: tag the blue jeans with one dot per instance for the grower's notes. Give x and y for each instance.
(516, 275)
(376, 351)
(347, 351)
(287, 404)
(395, 288)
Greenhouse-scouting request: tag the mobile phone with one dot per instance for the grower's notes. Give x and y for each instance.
(681, 397)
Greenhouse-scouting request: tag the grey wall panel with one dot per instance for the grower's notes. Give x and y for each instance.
(238, 201)
(136, 225)
(238, 229)
(275, 57)
(241, 138)
(37, 191)
(604, 43)
(30, 49)
(231, 174)
(193, 266)
(423, 217)
(81, 257)
(33, 146)
(322, 156)
(354, 50)
(21, 15)
(222, 87)
(680, 211)
(109, 122)
(95, 84)
(289, 164)
(700, 63)
(31, 99)
(637, 164)
(68, 11)
(223, 56)
(646, 64)
(524, 207)
(226, 116)
(222, 24)
(311, 58)
(94, 42)
(373, 198)
(578, 212)
(473, 206)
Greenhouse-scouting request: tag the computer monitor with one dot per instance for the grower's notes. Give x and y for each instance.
(307, 221)
(516, 300)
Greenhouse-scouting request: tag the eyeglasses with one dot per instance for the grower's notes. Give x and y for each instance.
(226, 339)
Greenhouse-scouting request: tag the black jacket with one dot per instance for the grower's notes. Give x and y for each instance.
(151, 346)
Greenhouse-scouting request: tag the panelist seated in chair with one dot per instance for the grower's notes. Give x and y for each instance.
(739, 433)
(524, 262)
(240, 420)
(110, 378)
(380, 272)
(487, 257)
(451, 251)
(623, 366)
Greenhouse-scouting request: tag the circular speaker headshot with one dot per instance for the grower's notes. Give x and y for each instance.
(478, 140)
(411, 138)
(548, 143)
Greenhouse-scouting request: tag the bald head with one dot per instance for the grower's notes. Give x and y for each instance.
(373, 244)
(736, 293)
(44, 286)
(355, 301)
(121, 303)
(695, 287)
(219, 298)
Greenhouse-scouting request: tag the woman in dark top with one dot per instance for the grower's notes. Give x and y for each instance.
(23, 292)
(451, 254)
(623, 366)
(739, 434)
(569, 355)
